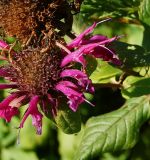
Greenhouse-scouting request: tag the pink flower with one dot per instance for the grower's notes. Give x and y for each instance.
(39, 79)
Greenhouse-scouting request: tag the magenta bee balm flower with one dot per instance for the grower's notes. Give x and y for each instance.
(39, 77)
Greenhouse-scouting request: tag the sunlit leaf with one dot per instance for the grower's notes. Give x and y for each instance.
(135, 87)
(104, 72)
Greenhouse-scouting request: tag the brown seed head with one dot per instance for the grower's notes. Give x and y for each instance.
(36, 72)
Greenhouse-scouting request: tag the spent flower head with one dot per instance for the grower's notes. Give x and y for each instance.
(44, 76)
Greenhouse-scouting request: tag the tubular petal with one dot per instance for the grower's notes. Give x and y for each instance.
(7, 100)
(76, 42)
(81, 77)
(6, 86)
(36, 115)
(77, 56)
(3, 44)
(3, 72)
(54, 104)
(17, 102)
(78, 39)
(75, 97)
(106, 54)
(94, 39)
(8, 112)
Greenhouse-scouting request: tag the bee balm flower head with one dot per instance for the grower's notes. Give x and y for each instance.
(40, 77)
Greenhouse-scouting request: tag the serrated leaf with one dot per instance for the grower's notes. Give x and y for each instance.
(104, 72)
(135, 87)
(144, 11)
(114, 131)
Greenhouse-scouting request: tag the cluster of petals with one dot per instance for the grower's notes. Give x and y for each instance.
(75, 52)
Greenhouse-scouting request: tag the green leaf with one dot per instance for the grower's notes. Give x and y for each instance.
(10, 40)
(104, 73)
(146, 35)
(131, 55)
(114, 131)
(93, 9)
(91, 64)
(13, 42)
(144, 11)
(67, 120)
(135, 59)
(135, 87)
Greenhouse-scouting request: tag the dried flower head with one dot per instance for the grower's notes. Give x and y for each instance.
(28, 19)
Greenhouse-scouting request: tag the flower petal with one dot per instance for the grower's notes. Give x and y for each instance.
(54, 104)
(17, 102)
(73, 57)
(8, 112)
(49, 106)
(4, 72)
(6, 86)
(75, 97)
(68, 84)
(81, 77)
(36, 115)
(106, 54)
(94, 39)
(7, 100)
(3, 44)
(78, 39)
